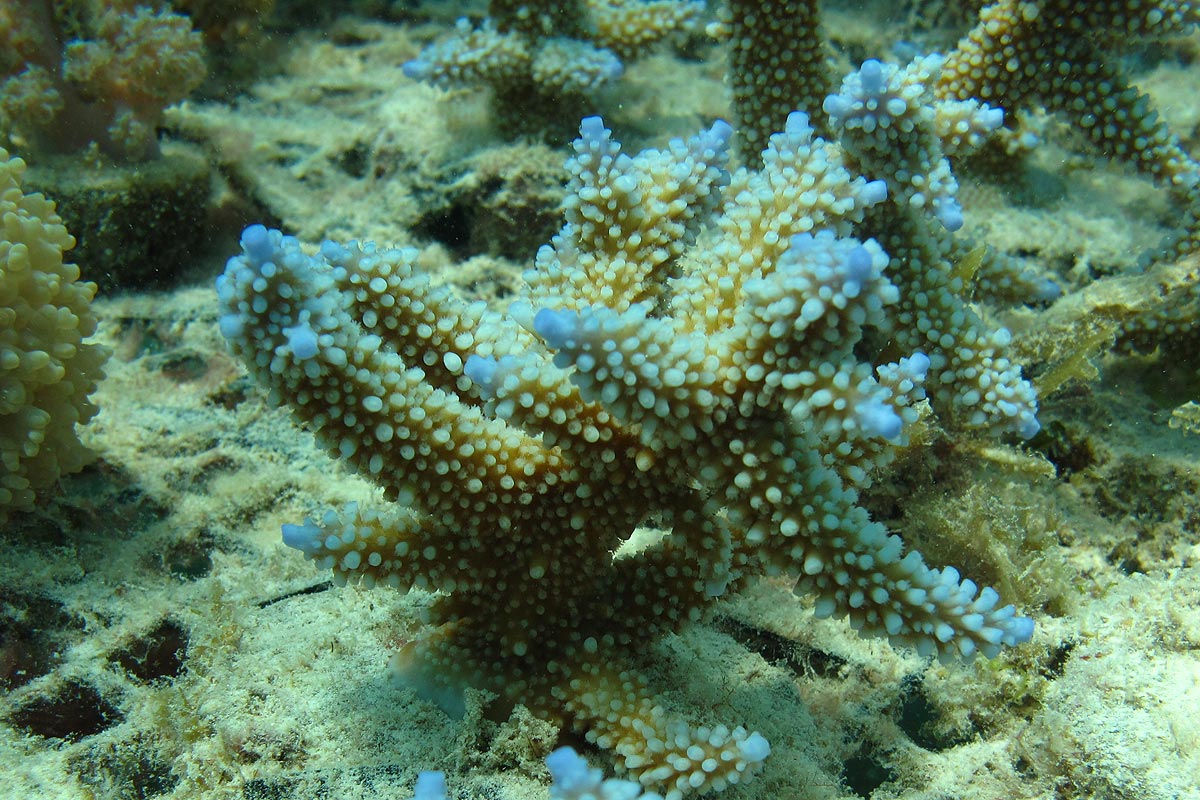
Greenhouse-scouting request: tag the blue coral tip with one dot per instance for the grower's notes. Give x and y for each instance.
(874, 192)
(1049, 291)
(1020, 630)
(949, 213)
(871, 74)
(481, 371)
(430, 786)
(302, 340)
(797, 124)
(918, 365)
(755, 748)
(416, 69)
(721, 131)
(556, 326)
(592, 128)
(568, 769)
(879, 420)
(837, 105)
(305, 538)
(256, 243)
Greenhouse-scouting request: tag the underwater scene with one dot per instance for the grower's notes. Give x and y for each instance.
(599, 400)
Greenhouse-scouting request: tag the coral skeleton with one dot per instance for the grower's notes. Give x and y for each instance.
(688, 358)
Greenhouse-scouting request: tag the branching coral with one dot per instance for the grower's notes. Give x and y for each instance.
(890, 126)
(687, 357)
(778, 64)
(1058, 54)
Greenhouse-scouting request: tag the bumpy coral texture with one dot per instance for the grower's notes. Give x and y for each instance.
(890, 126)
(47, 369)
(105, 79)
(1061, 54)
(684, 359)
(778, 63)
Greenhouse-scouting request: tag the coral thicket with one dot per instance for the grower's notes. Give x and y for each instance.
(545, 62)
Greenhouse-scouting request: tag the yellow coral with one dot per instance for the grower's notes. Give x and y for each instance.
(47, 370)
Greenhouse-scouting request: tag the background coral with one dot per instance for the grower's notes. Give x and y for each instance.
(546, 62)
(76, 73)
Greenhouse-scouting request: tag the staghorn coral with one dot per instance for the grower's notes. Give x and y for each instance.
(47, 370)
(546, 61)
(686, 359)
(87, 72)
(890, 127)
(778, 63)
(1023, 57)
(1026, 55)
(1058, 54)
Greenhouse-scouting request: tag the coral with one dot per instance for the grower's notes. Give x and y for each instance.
(1062, 56)
(47, 370)
(104, 76)
(630, 28)
(573, 780)
(883, 107)
(777, 64)
(889, 125)
(688, 357)
(544, 61)
(1022, 58)
(1059, 54)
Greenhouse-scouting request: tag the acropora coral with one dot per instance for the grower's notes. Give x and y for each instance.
(544, 61)
(689, 356)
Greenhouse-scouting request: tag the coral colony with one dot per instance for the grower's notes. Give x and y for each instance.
(725, 356)
(685, 353)
(48, 369)
(71, 76)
